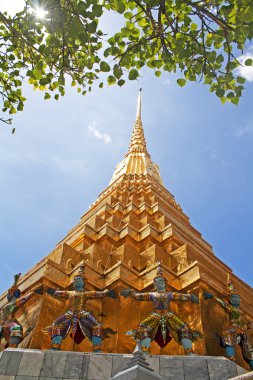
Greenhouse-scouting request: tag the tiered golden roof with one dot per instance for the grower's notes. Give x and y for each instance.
(137, 160)
(134, 224)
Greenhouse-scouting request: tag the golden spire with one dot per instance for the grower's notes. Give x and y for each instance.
(137, 160)
(138, 115)
(137, 142)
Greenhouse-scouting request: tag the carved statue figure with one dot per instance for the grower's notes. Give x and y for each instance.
(77, 319)
(235, 332)
(10, 329)
(162, 325)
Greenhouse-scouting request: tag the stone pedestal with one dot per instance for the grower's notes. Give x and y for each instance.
(136, 373)
(138, 368)
(17, 364)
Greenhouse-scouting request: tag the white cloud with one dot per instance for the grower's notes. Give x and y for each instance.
(167, 81)
(68, 164)
(94, 131)
(246, 71)
(244, 130)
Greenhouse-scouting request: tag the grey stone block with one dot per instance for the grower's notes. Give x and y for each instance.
(14, 363)
(6, 377)
(5, 359)
(53, 365)
(25, 377)
(31, 364)
(232, 368)
(218, 369)
(73, 366)
(49, 378)
(195, 369)
(119, 363)
(171, 369)
(240, 370)
(100, 367)
(85, 366)
(154, 363)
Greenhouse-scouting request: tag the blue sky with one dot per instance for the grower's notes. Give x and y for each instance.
(63, 155)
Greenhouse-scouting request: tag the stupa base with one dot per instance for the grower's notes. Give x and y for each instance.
(25, 364)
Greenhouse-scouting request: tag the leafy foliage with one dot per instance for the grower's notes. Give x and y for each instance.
(197, 40)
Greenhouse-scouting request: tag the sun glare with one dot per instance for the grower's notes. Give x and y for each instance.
(40, 13)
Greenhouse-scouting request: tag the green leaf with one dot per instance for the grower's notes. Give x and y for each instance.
(84, 37)
(240, 80)
(235, 100)
(120, 6)
(248, 62)
(37, 74)
(220, 58)
(220, 92)
(61, 80)
(12, 110)
(97, 10)
(75, 27)
(111, 80)
(121, 82)
(92, 27)
(133, 74)
(194, 26)
(117, 71)
(47, 96)
(230, 95)
(181, 82)
(158, 73)
(104, 67)
(44, 81)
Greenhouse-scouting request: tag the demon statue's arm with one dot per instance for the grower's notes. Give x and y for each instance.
(93, 294)
(219, 301)
(11, 308)
(59, 293)
(184, 297)
(138, 296)
(21, 301)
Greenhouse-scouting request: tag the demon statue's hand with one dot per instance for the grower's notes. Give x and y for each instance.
(126, 292)
(194, 299)
(111, 294)
(51, 291)
(207, 296)
(39, 290)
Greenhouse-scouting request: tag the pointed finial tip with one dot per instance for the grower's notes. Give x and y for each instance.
(138, 115)
(140, 89)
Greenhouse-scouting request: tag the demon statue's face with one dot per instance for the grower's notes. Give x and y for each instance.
(160, 284)
(13, 294)
(79, 283)
(235, 300)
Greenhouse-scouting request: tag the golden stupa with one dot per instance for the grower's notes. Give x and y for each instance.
(134, 224)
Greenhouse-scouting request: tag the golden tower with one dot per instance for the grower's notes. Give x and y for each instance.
(134, 223)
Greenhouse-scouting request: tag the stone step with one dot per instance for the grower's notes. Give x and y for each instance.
(25, 364)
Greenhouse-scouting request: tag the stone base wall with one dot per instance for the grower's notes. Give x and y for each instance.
(17, 364)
